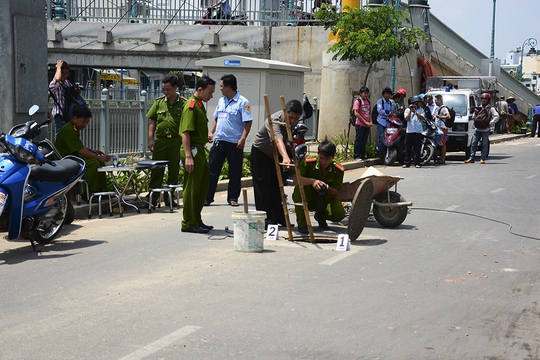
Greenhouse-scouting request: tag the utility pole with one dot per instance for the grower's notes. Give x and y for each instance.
(492, 53)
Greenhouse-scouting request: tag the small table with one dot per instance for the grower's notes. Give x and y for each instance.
(144, 166)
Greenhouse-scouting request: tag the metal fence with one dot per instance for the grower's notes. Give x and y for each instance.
(244, 12)
(117, 127)
(120, 127)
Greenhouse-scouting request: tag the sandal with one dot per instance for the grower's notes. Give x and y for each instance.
(233, 203)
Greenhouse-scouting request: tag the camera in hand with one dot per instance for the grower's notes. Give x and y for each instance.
(412, 107)
(323, 190)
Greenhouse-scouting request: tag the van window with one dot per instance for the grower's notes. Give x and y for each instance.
(458, 101)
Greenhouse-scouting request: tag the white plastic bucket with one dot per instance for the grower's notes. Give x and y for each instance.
(249, 230)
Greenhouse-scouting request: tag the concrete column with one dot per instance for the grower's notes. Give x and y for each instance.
(23, 59)
(338, 80)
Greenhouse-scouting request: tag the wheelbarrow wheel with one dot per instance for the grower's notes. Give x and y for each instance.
(389, 216)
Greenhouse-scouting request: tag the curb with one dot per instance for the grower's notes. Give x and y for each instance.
(81, 211)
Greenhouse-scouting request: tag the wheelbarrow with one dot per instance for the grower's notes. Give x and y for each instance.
(373, 188)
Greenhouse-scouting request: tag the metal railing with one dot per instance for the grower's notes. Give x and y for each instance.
(118, 127)
(244, 12)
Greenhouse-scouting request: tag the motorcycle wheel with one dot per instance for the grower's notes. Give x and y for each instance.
(390, 156)
(389, 217)
(52, 224)
(426, 153)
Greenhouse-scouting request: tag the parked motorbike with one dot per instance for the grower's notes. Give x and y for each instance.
(212, 17)
(300, 148)
(393, 141)
(33, 188)
(427, 150)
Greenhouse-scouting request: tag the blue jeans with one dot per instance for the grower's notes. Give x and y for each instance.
(58, 123)
(380, 132)
(485, 143)
(220, 151)
(360, 141)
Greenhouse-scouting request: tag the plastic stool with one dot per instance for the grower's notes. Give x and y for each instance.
(176, 188)
(84, 186)
(100, 195)
(167, 190)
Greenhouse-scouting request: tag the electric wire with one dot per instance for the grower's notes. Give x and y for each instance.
(480, 217)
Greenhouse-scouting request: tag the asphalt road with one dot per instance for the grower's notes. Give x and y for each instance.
(458, 280)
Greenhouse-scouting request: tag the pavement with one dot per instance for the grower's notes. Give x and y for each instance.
(81, 211)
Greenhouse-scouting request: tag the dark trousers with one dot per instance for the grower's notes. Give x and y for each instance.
(360, 141)
(535, 124)
(266, 187)
(413, 141)
(166, 149)
(220, 151)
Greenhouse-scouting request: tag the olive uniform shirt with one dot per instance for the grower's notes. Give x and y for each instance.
(68, 142)
(197, 182)
(329, 207)
(167, 144)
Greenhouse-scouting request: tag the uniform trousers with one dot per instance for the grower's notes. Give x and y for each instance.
(196, 186)
(266, 187)
(97, 181)
(330, 207)
(166, 149)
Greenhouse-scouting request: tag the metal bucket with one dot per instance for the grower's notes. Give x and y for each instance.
(249, 231)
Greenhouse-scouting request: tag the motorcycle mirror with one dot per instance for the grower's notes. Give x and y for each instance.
(34, 109)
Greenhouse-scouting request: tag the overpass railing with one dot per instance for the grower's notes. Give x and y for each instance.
(244, 12)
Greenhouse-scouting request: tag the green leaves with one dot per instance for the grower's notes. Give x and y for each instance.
(370, 34)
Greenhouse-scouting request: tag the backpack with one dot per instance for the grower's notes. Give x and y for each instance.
(72, 99)
(374, 114)
(449, 122)
(352, 117)
(482, 119)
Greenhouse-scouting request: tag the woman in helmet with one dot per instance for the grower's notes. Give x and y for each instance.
(414, 116)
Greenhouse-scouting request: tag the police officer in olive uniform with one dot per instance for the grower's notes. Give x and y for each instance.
(322, 178)
(68, 142)
(194, 132)
(165, 115)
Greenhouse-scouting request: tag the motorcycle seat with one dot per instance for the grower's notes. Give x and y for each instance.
(64, 170)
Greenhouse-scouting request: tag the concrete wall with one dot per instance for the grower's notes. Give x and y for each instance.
(23, 61)
(132, 46)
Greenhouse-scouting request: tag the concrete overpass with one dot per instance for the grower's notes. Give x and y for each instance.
(143, 46)
(148, 46)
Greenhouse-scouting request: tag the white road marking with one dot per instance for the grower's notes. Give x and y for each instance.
(536, 145)
(161, 343)
(335, 259)
(497, 190)
(530, 176)
(453, 207)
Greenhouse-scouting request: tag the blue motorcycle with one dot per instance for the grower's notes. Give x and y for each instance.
(33, 188)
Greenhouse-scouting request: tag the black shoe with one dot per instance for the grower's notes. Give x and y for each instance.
(207, 203)
(197, 230)
(174, 203)
(146, 206)
(322, 222)
(204, 226)
(303, 229)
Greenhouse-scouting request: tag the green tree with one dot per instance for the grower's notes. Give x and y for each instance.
(370, 34)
